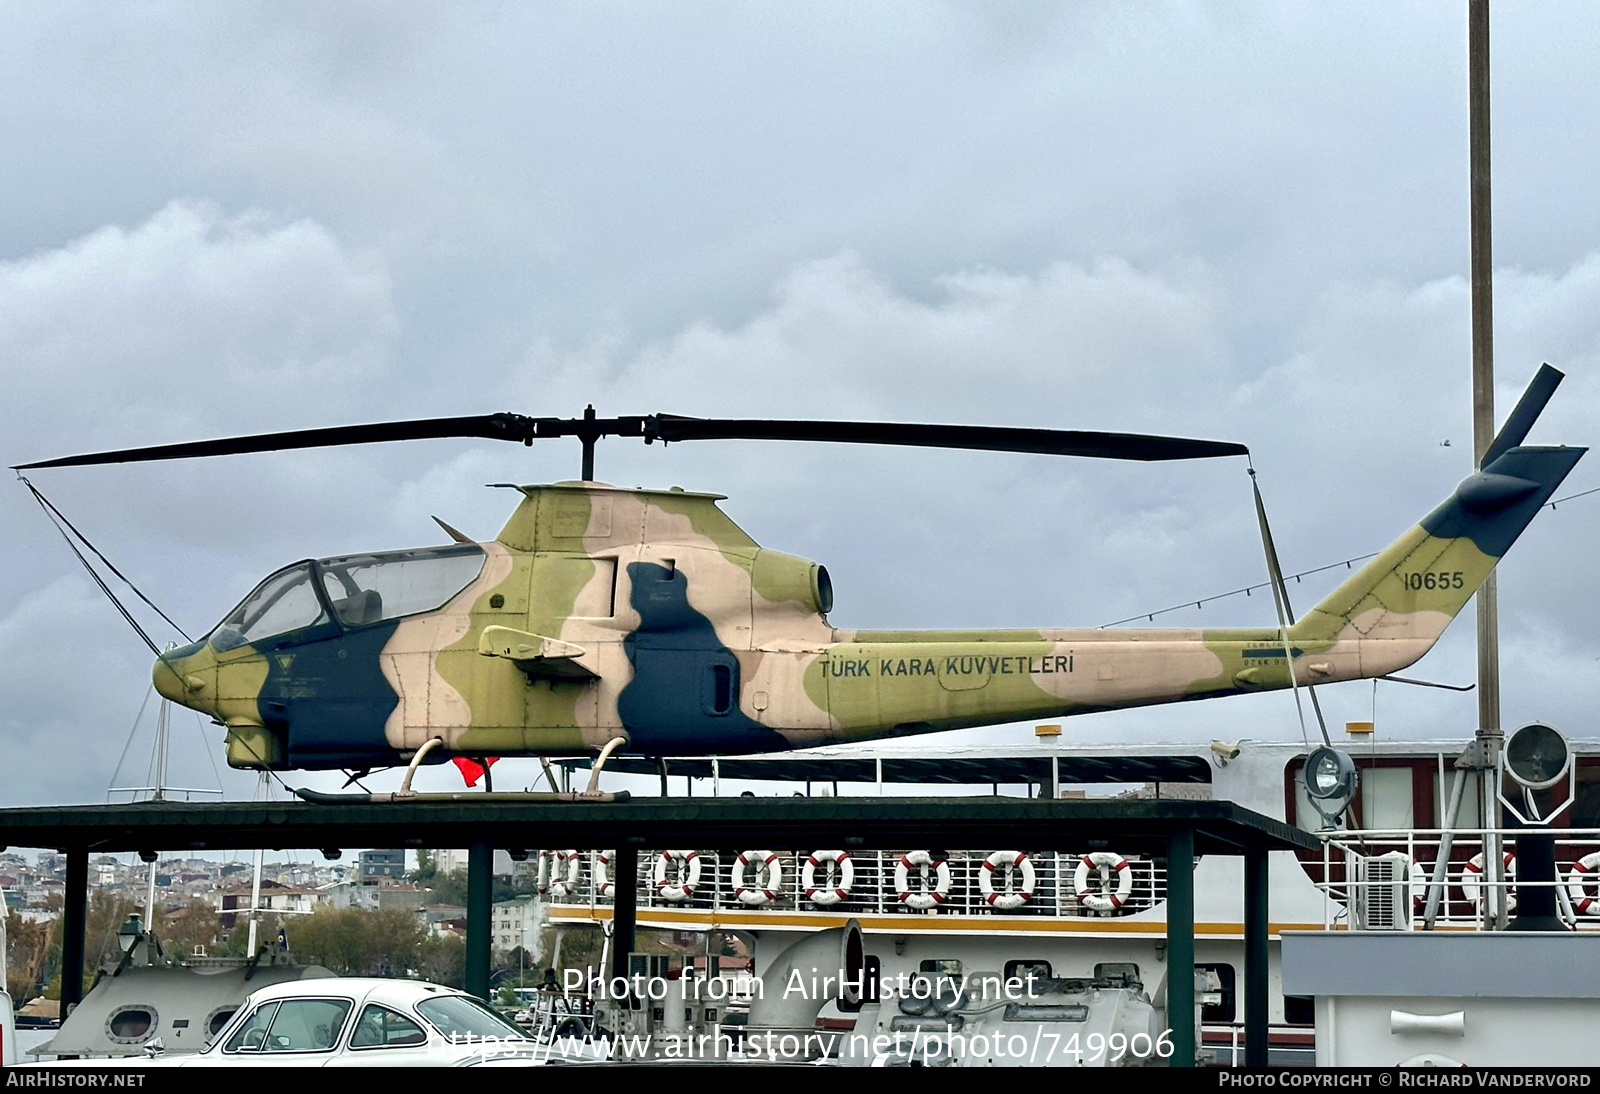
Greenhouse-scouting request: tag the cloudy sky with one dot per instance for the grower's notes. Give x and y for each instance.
(1235, 220)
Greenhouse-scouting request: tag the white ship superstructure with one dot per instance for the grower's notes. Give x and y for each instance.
(1094, 913)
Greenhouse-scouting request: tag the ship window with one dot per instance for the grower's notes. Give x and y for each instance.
(1217, 1001)
(218, 1019)
(1386, 798)
(371, 588)
(284, 602)
(1021, 971)
(130, 1025)
(1299, 1010)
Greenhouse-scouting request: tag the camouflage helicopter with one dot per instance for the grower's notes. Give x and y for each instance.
(603, 618)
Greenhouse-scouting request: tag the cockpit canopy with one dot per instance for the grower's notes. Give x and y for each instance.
(355, 590)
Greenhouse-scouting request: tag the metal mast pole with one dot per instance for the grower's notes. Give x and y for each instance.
(1489, 735)
(163, 732)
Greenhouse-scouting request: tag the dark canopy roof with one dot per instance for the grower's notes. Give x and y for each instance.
(868, 822)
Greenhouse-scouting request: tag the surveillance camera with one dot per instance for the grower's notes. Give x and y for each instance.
(1224, 752)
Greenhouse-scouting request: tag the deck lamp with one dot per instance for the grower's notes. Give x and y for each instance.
(1537, 756)
(1330, 783)
(129, 932)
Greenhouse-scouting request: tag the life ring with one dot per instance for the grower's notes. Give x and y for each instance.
(564, 877)
(597, 873)
(1105, 901)
(543, 881)
(825, 896)
(1582, 902)
(688, 876)
(1019, 891)
(1421, 878)
(1472, 889)
(769, 877)
(935, 893)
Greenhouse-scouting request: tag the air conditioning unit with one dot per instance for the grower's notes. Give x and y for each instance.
(1384, 897)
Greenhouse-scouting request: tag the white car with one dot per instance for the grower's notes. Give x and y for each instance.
(339, 1021)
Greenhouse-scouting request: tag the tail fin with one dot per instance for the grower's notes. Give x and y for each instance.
(1411, 591)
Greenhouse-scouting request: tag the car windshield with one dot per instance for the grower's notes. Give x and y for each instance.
(370, 588)
(284, 602)
(463, 1018)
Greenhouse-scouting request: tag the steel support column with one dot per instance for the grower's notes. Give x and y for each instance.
(480, 913)
(75, 922)
(625, 906)
(1255, 957)
(1180, 945)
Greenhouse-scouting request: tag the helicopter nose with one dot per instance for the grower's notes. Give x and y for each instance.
(180, 679)
(168, 683)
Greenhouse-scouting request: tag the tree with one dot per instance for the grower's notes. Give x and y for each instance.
(106, 913)
(449, 888)
(393, 937)
(196, 924)
(443, 960)
(27, 954)
(352, 942)
(427, 866)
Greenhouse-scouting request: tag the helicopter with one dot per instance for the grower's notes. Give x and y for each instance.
(602, 619)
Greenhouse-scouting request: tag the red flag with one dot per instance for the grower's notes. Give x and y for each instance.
(472, 770)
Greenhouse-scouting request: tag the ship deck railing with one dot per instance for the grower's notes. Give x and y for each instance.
(1367, 874)
(874, 891)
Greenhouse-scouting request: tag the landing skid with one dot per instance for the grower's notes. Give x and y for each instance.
(322, 797)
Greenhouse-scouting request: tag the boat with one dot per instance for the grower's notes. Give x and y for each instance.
(1089, 924)
(142, 1000)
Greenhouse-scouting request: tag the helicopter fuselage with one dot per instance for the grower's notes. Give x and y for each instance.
(600, 613)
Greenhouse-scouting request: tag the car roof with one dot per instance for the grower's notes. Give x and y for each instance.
(355, 987)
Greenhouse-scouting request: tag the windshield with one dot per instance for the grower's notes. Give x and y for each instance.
(369, 588)
(463, 1018)
(284, 602)
(361, 589)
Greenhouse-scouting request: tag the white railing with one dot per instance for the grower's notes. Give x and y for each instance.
(1383, 879)
(873, 889)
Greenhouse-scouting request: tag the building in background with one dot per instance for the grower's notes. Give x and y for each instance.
(375, 866)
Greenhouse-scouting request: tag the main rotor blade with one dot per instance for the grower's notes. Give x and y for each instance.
(669, 427)
(1053, 442)
(506, 427)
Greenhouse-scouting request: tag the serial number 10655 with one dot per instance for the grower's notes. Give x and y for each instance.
(1452, 579)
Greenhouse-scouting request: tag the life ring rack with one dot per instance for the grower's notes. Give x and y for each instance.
(566, 871)
(1115, 871)
(1582, 902)
(768, 881)
(1476, 891)
(688, 875)
(1019, 880)
(936, 888)
(837, 867)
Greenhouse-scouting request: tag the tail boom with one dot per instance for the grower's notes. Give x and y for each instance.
(1385, 617)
